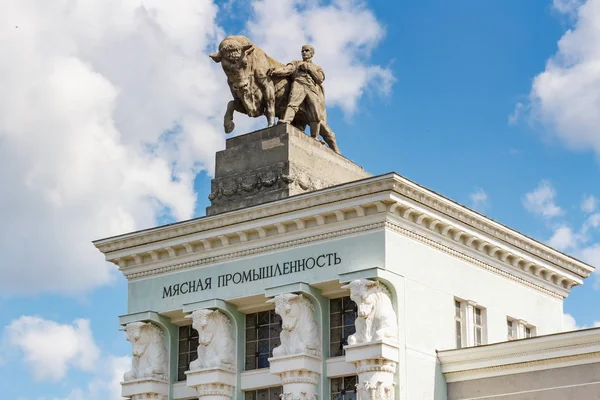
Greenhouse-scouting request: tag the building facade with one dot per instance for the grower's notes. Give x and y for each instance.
(458, 282)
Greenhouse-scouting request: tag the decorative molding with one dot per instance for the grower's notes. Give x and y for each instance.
(257, 250)
(299, 376)
(544, 276)
(376, 365)
(215, 389)
(149, 396)
(383, 183)
(471, 260)
(542, 352)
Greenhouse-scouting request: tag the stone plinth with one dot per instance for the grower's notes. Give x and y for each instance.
(145, 388)
(212, 383)
(299, 375)
(376, 364)
(272, 164)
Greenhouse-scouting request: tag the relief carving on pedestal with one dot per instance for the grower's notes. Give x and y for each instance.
(148, 350)
(300, 332)
(377, 319)
(216, 347)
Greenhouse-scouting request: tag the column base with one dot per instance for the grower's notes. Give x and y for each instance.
(212, 383)
(145, 388)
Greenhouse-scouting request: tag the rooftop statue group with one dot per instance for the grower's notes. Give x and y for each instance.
(262, 86)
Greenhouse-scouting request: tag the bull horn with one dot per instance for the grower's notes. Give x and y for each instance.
(189, 316)
(216, 57)
(346, 286)
(271, 300)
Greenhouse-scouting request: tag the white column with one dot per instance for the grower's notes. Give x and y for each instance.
(148, 377)
(373, 349)
(298, 359)
(212, 374)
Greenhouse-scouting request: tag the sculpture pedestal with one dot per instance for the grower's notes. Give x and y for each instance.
(299, 375)
(376, 364)
(145, 388)
(212, 383)
(273, 164)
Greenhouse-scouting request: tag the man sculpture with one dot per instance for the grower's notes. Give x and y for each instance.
(306, 87)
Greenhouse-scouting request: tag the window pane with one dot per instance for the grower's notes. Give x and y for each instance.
(341, 319)
(478, 335)
(527, 332)
(477, 316)
(457, 309)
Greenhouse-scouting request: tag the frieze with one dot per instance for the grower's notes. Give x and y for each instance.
(345, 192)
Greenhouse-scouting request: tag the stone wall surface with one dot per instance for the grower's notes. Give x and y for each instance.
(579, 382)
(272, 164)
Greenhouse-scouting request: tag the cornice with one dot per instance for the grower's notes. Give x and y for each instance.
(389, 183)
(484, 224)
(550, 351)
(344, 210)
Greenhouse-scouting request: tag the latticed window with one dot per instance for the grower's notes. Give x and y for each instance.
(262, 336)
(458, 324)
(342, 314)
(271, 393)
(188, 350)
(510, 325)
(344, 388)
(478, 326)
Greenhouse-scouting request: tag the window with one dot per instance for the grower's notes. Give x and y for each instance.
(343, 388)
(342, 314)
(520, 329)
(477, 326)
(511, 329)
(188, 350)
(469, 324)
(458, 323)
(262, 336)
(271, 393)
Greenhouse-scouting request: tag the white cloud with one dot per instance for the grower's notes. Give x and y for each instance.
(343, 34)
(565, 97)
(541, 201)
(570, 324)
(564, 238)
(50, 348)
(111, 108)
(567, 6)
(106, 385)
(479, 200)
(93, 86)
(516, 115)
(589, 204)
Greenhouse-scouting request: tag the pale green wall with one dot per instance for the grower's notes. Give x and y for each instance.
(356, 253)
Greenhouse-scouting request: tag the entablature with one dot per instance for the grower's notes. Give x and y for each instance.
(382, 202)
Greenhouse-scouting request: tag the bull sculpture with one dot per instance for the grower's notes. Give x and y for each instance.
(255, 91)
(377, 319)
(148, 350)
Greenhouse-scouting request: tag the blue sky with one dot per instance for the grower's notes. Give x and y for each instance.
(475, 100)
